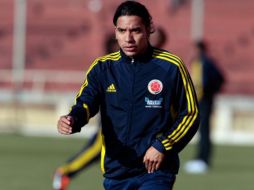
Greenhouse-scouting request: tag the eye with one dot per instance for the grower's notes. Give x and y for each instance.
(121, 30)
(136, 30)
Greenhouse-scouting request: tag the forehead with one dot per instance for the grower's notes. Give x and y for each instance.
(129, 22)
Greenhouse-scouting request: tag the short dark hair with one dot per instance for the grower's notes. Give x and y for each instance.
(133, 8)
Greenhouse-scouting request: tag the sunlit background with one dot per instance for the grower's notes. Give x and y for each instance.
(46, 46)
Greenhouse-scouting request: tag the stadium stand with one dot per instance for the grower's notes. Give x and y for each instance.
(63, 35)
(6, 27)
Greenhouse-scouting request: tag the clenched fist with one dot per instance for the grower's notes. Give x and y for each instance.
(64, 124)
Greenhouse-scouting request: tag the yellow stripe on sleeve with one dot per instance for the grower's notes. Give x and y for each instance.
(87, 111)
(103, 153)
(189, 119)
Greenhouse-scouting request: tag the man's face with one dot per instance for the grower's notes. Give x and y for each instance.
(132, 35)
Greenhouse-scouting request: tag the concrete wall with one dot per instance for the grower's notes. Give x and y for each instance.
(232, 120)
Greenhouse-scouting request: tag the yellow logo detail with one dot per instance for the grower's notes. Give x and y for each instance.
(111, 88)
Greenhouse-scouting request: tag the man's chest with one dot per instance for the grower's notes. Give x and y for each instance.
(147, 88)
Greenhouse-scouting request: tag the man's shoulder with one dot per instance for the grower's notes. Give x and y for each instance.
(115, 56)
(105, 61)
(165, 57)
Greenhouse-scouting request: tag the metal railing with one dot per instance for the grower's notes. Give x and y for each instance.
(38, 78)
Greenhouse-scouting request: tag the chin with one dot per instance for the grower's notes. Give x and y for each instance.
(130, 54)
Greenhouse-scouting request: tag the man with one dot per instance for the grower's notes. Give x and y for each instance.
(90, 152)
(208, 80)
(147, 104)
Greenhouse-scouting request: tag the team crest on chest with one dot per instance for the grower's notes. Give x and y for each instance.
(155, 86)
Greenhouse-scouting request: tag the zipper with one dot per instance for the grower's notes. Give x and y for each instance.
(131, 100)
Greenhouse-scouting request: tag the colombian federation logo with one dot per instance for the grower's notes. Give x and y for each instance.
(155, 86)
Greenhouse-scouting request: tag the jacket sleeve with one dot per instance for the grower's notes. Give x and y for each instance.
(186, 120)
(87, 99)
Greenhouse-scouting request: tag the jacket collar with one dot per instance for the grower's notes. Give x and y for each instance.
(143, 58)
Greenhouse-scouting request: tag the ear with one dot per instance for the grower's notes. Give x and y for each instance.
(148, 31)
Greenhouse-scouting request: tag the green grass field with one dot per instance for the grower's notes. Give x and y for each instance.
(27, 163)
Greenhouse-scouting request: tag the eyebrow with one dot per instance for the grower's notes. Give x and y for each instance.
(131, 29)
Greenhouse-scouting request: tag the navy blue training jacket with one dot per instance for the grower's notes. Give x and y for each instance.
(146, 101)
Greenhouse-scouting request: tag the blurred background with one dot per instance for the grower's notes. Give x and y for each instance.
(46, 46)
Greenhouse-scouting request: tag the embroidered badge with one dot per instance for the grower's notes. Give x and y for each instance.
(155, 86)
(153, 103)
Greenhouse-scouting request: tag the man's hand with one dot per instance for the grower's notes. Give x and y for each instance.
(64, 124)
(153, 159)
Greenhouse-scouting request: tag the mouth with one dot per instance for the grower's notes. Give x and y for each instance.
(129, 48)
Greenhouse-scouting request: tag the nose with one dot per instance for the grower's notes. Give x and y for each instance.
(129, 37)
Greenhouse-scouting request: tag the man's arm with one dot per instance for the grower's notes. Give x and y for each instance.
(86, 104)
(186, 122)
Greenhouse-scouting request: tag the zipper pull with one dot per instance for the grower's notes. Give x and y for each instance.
(132, 61)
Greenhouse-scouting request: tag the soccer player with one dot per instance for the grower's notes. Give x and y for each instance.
(90, 152)
(147, 104)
